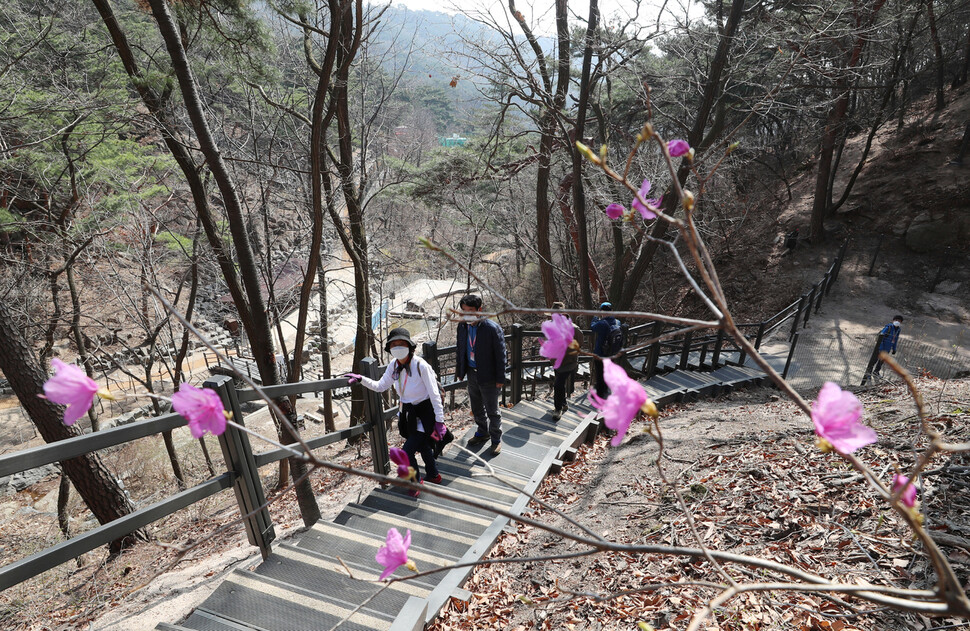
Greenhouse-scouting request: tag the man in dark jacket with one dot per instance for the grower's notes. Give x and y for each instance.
(480, 356)
(888, 339)
(566, 373)
(601, 328)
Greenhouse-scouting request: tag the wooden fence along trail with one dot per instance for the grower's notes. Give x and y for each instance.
(303, 585)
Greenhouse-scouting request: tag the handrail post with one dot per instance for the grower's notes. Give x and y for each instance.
(716, 357)
(761, 334)
(429, 350)
(821, 291)
(654, 356)
(374, 416)
(808, 305)
(686, 351)
(791, 353)
(238, 455)
(798, 317)
(516, 367)
(873, 358)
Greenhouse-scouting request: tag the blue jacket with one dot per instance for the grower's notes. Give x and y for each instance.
(601, 330)
(489, 352)
(890, 336)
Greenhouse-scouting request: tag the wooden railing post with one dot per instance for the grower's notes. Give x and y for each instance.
(516, 367)
(798, 317)
(654, 357)
(716, 357)
(374, 416)
(808, 305)
(761, 334)
(821, 291)
(239, 459)
(791, 354)
(685, 353)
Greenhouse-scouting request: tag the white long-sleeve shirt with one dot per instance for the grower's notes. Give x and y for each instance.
(421, 384)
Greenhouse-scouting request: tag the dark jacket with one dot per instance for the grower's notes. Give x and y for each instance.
(571, 362)
(890, 337)
(601, 331)
(489, 352)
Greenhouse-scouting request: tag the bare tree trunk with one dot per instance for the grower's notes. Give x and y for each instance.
(97, 487)
(579, 190)
(695, 138)
(63, 496)
(833, 125)
(79, 339)
(260, 334)
(938, 53)
(328, 420)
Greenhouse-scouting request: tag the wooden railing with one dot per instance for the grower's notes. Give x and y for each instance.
(242, 465)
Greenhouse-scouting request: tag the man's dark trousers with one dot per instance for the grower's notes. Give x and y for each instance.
(483, 398)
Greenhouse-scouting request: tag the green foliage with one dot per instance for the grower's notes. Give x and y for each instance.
(9, 220)
(174, 241)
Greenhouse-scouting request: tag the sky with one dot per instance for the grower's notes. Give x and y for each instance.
(540, 13)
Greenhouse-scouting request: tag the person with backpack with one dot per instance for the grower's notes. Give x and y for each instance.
(888, 339)
(607, 341)
(421, 412)
(566, 373)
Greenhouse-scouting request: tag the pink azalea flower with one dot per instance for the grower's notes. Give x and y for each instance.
(626, 399)
(71, 387)
(836, 415)
(400, 458)
(394, 553)
(677, 148)
(559, 335)
(645, 209)
(202, 408)
(909, 497)
(614, 210)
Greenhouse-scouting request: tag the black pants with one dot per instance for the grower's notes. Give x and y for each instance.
(415, 441)
(563, 387)
(599, 381)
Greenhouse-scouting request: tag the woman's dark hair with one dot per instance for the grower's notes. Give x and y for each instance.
(471, 300)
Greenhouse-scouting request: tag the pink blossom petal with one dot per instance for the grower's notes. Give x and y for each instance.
(614, 210)
(202, 408)
(394, 553)
(400, 458)
(71, 387)
(639, 203)
(836, 415)
(559, 335)
(678, 148)
(909, 497)
(624, 403)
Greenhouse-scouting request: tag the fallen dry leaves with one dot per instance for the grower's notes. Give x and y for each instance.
(764, 491)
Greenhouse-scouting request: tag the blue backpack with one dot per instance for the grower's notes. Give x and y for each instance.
(615, 340)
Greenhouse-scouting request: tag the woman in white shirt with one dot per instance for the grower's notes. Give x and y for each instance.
(417, 387)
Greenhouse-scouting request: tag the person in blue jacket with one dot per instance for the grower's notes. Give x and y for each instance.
(601, 328)
(481, 358)
(889, 338)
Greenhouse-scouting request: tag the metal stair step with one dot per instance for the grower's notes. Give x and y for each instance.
(273, 605)
(415, 508)
(329, 539)
(430, 536)
(461, 465)
(289, 564)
